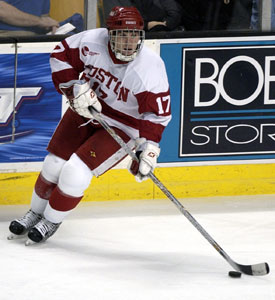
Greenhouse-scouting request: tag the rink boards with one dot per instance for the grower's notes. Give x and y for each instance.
(220, 141)
(194, 181)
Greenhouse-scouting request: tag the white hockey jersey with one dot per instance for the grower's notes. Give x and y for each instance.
(135, 96)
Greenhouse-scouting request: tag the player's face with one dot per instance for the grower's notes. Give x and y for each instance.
(126, 41)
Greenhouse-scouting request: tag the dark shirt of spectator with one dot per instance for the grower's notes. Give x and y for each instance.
(216, 14)
(160, 15)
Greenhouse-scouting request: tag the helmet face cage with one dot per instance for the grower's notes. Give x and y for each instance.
(126, 43)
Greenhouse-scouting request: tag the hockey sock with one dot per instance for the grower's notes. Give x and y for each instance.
(41, 194)
(59, 206)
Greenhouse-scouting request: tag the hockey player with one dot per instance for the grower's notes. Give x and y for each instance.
(111, 71)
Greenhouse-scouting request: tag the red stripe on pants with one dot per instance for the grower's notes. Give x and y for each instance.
(62, 202)
(43, 188)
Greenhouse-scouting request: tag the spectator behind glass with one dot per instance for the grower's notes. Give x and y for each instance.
(216, 14)
(23, 17)
(206, 14)
(241, 15)
(160, 15)
(255, 15)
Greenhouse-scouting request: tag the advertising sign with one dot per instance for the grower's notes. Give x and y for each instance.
(30, 107)
(224, 99)
(7, 59)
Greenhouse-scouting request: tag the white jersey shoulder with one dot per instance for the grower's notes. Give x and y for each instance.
(150, 69)
(93, 36)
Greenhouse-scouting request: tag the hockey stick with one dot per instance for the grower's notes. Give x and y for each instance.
(255, 269)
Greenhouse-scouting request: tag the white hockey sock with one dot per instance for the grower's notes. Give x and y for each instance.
(38, 204)
(55, 216)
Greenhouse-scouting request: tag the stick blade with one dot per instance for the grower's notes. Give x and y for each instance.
(254, 270)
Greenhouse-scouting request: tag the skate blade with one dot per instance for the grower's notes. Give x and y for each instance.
(29, 242)
(13, 236)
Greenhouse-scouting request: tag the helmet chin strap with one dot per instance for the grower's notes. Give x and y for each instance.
(122, 57)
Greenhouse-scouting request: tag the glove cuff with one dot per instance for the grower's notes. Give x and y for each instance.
(74, 88)
(151, 148)
(142, 144)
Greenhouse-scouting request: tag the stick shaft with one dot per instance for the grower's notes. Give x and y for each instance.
(260, 269)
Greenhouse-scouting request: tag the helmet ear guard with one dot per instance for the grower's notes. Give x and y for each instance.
(125, 22)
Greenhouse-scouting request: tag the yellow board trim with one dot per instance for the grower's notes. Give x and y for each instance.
(183, 182)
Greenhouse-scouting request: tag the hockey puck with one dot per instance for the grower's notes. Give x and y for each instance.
(234, 274)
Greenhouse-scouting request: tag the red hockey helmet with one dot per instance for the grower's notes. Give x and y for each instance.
(124, 18)
(126, 34)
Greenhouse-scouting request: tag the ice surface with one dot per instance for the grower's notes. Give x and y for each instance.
(143, 250)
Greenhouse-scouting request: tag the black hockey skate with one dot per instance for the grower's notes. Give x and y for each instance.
(41, 231)
(19, 227)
